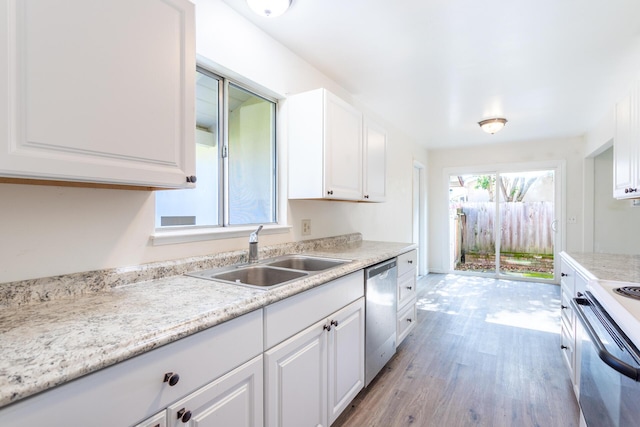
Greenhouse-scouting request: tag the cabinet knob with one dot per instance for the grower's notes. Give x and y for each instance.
(192, 178)
(366, 196)
(564, 347)
(327, 328)
(409, 320)
(334, 323)
(410, 261)
(171, 378)
(184, 415)
(563, 274)
(330, 192)
(564, 307)
(630, 190)
(409, 287)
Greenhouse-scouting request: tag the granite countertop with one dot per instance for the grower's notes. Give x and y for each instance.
(615, 267)
(51, 341)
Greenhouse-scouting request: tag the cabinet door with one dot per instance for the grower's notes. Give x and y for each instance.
(296, 380)
(622, 153)
(342, 150)
(98, 92)
(158, 420)
(625, 147)
(234, 400)
(375, 163)
(345, 357)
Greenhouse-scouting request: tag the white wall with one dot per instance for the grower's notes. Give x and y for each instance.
(570, 150)
(47, 231)
(616, 222)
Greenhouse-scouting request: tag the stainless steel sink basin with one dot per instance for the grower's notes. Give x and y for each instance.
(305, 262)
(271, 272)
(257, 275)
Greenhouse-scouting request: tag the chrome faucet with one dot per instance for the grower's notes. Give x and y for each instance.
(253, 245)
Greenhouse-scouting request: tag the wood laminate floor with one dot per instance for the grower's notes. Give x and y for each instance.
(485, 352)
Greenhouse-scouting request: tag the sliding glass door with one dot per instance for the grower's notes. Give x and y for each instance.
(503, 223)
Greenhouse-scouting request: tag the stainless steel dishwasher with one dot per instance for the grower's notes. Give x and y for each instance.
(380, 313)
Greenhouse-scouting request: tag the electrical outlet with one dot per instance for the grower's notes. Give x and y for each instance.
(306, 227)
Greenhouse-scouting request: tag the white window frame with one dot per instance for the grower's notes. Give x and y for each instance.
(166, 236)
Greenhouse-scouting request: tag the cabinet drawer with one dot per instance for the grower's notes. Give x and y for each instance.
(567, 350)
(133, 390)
(232, 400)
(406, 288)
(565, 310)
(289, 316)
(406, 322)
(407, 261)
(567, 277)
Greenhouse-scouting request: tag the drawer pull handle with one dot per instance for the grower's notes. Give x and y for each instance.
(184, 415)
(334, 323)
(171, 378)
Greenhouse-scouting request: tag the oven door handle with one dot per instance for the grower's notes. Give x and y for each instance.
(608, 358)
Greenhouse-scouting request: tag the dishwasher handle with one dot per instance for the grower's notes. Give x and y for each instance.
(381, 268)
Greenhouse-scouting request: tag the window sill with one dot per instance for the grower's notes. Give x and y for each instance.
(169, 237)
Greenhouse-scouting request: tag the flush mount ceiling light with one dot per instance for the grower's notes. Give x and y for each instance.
(269, 8)
(492, 125)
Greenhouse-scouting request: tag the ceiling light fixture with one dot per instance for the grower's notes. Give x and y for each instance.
(269, 8)
(492, 125)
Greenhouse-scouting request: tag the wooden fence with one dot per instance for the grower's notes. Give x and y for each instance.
(526, 227)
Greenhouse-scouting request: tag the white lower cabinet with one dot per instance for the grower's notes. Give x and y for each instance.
(407, 295)
(134, 390)
(311, 370)
(314, 358)
(234, 400)
(346, 357)
(296, 380)
(572, 283)
(312, 376)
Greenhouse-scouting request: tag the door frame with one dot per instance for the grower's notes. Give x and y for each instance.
(419, 214)
(559, 208)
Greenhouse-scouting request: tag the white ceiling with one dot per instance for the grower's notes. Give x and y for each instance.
(434, 68)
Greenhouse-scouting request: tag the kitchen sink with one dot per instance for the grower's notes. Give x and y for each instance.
(306, 262)
(271, 272)
(259, 275)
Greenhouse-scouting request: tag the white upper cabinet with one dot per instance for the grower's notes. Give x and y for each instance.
(325, 147)
(626, 147)
(375, 163)
(98, 92)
